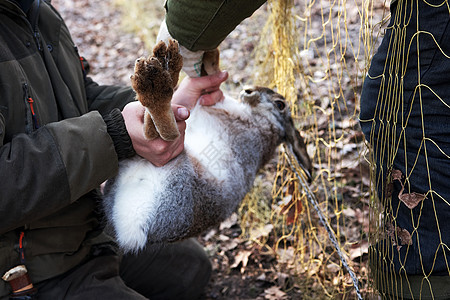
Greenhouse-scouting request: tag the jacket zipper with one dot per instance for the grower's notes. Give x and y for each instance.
(30, 102)
(37, 38)
(82, 62)
(33, 25)
(21, 250)
(33, 20)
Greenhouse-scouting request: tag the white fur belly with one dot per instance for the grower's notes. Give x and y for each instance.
(208, 141)
(137, 200)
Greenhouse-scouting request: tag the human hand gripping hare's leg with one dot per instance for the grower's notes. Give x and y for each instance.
(154, 80)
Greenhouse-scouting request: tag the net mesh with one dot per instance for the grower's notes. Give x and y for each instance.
(316, 54)
(408, 154)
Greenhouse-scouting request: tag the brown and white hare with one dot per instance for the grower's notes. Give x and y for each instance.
(225, 146)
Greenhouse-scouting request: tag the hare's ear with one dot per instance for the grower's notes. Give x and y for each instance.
(294, 139)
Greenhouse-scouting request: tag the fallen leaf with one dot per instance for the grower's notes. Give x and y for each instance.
(210, 234)
(286, 255)
(229, 245)
(411, 200)
(390, 230)
(262, 277)
(398, 233)
(358, 250)
(333, 268)
(349, 212)
(259, 232)
(223, 238)
(274, 293)
(282, 278)
(294, 207)
(241, 258)
(389, 189)
(294, 213)
(230, 222)
(397, 175)
(362, 216)
(404, 236)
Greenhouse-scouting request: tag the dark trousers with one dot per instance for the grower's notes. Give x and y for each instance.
(174, 271)
(405, 116)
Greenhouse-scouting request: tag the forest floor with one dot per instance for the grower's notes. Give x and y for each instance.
(241, 269)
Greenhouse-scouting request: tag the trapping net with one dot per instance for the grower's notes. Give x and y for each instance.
(403, 112)
(396, 217)
(316, 54)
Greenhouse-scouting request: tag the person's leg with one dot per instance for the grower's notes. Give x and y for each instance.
(179, 270)
(96, 279)
(404, 116)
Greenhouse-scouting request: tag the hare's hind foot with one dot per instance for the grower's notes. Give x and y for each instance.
(153, 80)
(170, 58)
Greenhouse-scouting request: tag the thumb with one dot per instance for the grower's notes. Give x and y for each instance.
(211, 81)
(181, 113)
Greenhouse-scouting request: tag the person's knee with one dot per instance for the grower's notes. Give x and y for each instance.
(197, 271)
(173, 271)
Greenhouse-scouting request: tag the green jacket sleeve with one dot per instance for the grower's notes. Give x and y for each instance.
(203, 25)
(52, 167)
(105, 98)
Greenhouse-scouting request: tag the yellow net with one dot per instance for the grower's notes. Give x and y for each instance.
(409, 153)
(316, 53)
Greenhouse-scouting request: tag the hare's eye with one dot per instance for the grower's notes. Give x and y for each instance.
(280, 104)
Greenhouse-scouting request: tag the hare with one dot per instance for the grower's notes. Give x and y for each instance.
(225, 146)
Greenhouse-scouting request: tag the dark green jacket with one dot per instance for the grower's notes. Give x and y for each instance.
(50, 162)
(203, 25)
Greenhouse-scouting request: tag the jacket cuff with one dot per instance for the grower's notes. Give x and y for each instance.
(115, 125)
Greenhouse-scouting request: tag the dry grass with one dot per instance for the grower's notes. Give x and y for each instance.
(142, 17)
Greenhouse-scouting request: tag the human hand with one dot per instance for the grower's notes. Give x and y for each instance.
(204, 89)
(157, 151)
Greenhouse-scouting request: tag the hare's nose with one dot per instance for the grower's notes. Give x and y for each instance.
(249, 91)
(250, 95)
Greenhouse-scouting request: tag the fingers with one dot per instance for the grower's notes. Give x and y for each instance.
(133, 114)
(211, 98)
(163, 152)
(211, 93)
(158, 151)
(181, 113)
(191, 89)
(209, 82)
